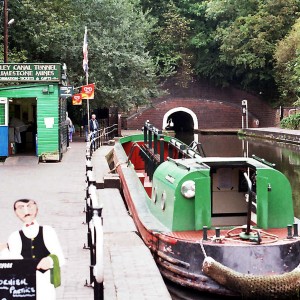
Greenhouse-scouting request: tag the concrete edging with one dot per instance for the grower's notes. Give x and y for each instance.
(288, 136)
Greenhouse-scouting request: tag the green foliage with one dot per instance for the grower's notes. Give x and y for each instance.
(247, 32)
(117, 54)
(134, 43)
(169, 43)
(291, 122)
(118, 31)
(287, 56)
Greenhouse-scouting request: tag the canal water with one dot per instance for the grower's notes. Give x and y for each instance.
(285, 156)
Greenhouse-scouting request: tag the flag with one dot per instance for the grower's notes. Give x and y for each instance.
(77, 99)
(88, 91)
(85, 61)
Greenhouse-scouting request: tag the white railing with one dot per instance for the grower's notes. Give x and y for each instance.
(95, 237)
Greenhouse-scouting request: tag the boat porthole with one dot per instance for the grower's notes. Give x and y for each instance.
(154, 194)
(163, 200)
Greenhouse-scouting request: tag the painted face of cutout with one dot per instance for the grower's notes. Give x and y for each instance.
(26, 212)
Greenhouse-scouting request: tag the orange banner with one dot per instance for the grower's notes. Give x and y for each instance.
(88, 91)
(77, 99)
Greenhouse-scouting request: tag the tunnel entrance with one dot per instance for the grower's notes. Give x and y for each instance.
(180, 121)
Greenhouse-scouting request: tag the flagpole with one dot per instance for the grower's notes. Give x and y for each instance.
(88, 103)
(86, 68)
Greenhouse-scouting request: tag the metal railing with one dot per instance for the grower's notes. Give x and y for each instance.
(99, 137)
(96, 253)
(94, 220)
(93, 210)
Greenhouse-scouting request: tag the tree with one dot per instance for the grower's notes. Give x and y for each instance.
(170, 45)
(134, 43)
(247, 41)
(119, 65)
(287, 56)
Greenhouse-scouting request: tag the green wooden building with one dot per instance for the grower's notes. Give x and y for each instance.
(32, 111)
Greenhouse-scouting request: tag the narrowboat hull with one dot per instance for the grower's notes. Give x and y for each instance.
(180, 254)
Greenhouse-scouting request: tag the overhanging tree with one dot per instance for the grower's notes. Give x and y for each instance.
(119, 65)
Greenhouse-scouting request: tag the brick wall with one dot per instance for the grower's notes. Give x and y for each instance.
(214, 107)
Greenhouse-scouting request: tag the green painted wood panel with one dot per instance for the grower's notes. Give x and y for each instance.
(47, 109)
(2, 114)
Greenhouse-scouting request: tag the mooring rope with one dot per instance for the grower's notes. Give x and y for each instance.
(116, 166)
(202, 248)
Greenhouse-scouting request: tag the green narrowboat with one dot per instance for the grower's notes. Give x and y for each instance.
(220, 225)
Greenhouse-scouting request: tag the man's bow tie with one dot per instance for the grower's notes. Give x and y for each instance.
(27, 225)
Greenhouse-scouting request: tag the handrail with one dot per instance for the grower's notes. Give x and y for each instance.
(197, 147)
(132, 149)
(192, 150)
(97, 138)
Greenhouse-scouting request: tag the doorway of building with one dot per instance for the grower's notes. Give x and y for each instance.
(22, 126)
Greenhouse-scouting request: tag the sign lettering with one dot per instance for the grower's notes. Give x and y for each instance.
(66, 91)
(30, 72)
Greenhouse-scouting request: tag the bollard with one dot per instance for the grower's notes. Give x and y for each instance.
(98, 272)
(94, 202)
(289, 230)
(91, 178)
(88, 166)
(91, 189)
(205, 233)
(88, 154)
(217, 232)
(296, 230)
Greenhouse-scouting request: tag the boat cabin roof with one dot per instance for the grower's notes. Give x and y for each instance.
(207, 162)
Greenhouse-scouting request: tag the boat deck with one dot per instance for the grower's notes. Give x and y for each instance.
(274, 236)
(268, 236)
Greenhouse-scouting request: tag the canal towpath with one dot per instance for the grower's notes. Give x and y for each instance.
(59, 189)
(274, 133)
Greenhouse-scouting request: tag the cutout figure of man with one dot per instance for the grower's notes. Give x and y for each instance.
(36, 242)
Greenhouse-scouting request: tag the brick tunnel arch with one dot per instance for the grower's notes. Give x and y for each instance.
(210, 107)
(206, 114)
(190, 113)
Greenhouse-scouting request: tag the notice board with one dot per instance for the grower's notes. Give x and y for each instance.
(18, 279)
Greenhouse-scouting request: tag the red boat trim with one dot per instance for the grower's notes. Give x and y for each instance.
(168, 239)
